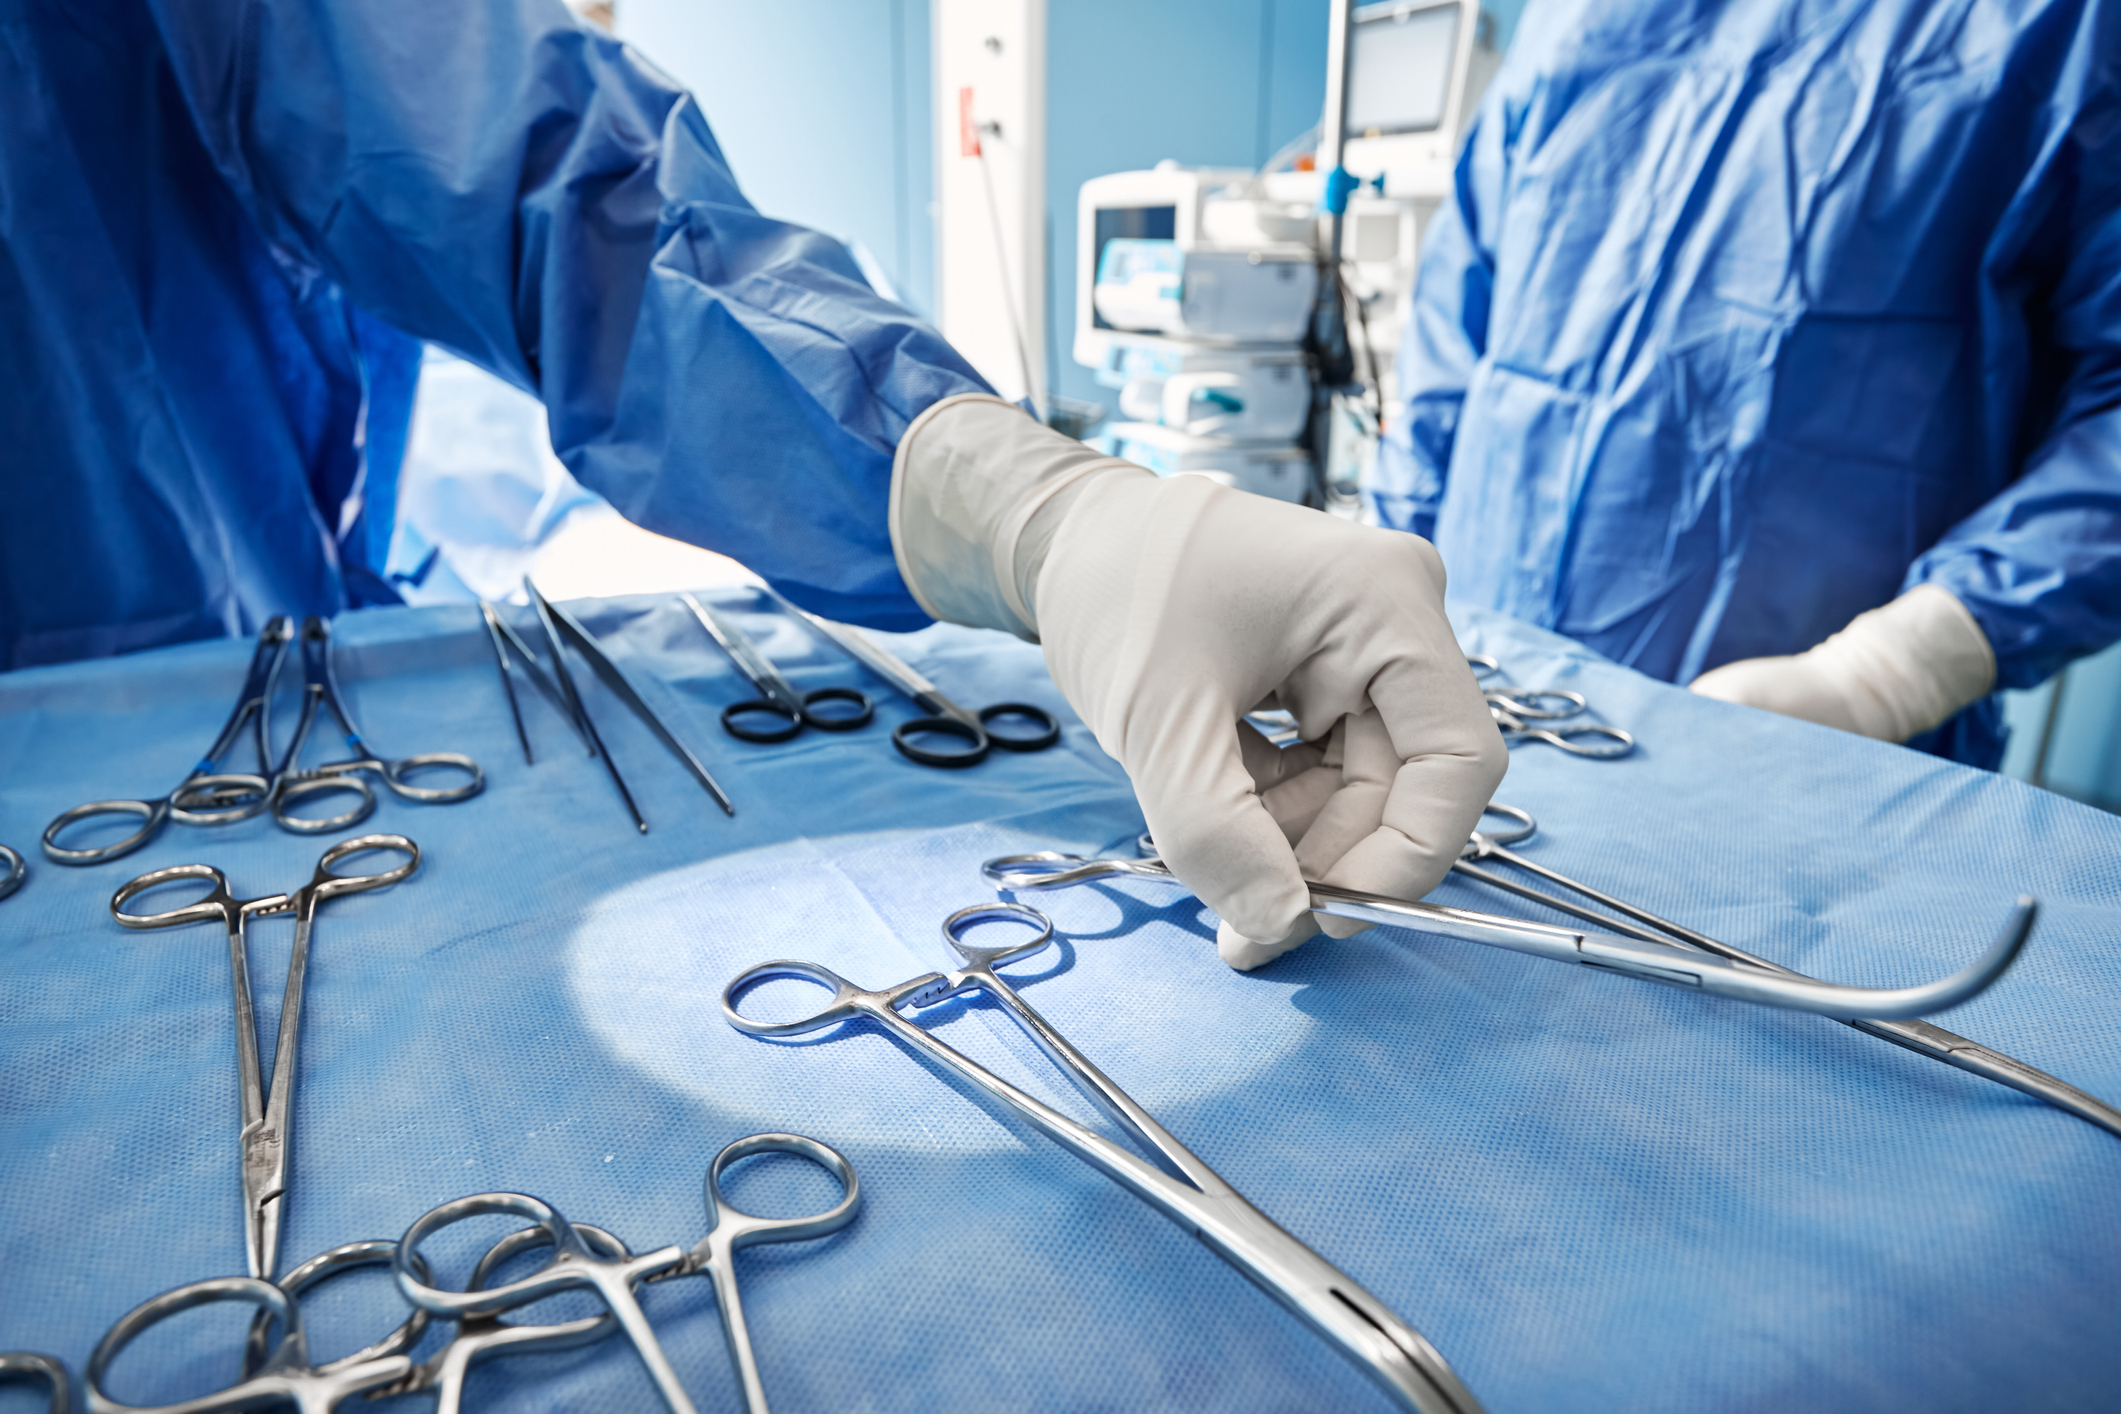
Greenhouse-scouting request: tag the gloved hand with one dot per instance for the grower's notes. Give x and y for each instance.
(1893, 673)
(1168, 609)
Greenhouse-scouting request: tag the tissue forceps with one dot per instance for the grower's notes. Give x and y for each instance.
(265, 1136)
(1650, 960)
(227, 796)
(612, 1276)
(777, 696)
(1177, 1183)
(559, 623)
(1918, 1036)
(945, 718)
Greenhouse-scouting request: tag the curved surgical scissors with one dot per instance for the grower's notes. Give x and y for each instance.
(291, 783)
(207, 796)
(19, 1365)
(1648, 960)
(265, 1136)
(945, 718)
(613, 1275)
(16, 871)
(791, 710)
(1177, 1184)
(1918, 1036)
(1545, 714)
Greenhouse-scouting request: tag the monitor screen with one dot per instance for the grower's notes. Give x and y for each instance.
(1154, 223)
(1399, 67)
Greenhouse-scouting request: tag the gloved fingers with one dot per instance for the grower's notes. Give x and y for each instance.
(1270, 765)
(1355, 812)
(1295, 804)
(1245, 953)
(1210, 825)
(1291, 780)
(1450, 758)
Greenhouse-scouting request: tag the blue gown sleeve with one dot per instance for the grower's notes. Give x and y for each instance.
(2039, 566)
(495, 178)
(1445, 335)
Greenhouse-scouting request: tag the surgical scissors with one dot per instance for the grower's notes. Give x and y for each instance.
(1648, 960)
(613, 1275)
(1918, 1036)
(227, 797)
(945, 718)
(778, 698)
(1545, 714)
(1177, 1184)
(265, 1137)
(320, 689)
(19, 1365)
(17, 871)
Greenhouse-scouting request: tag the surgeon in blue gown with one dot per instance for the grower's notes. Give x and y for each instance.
(1774, 346)
(224, 224)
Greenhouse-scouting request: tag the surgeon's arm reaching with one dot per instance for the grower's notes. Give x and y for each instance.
(1170, 607)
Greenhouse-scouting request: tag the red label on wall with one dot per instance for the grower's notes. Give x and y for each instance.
(967, 130)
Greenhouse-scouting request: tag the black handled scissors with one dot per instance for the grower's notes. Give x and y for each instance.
(945, 718)
(789, 710)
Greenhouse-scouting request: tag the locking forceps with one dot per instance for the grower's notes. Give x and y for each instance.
(320, 693)
(208, 795)
(1647, 960)
(613, 1273)
(266, 1134)
(1918, 1036)
(1177, 1183)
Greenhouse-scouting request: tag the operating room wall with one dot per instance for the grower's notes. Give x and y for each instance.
(822, 109)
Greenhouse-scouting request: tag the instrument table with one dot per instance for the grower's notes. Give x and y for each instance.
(1588, 1192)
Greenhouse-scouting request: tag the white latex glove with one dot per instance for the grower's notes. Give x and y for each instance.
(1891, 674)
(1169, 608)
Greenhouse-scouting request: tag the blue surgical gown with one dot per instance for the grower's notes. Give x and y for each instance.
(1745, 315)
(224, 225)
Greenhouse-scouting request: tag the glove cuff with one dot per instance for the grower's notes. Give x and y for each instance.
(1908, 666)
(969, 475)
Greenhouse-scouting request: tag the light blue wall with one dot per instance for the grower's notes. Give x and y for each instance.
(1207, 83)
(821, 106)
(2084, 751)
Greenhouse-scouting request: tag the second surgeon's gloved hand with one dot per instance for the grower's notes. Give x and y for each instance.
(1893, 673)
(1168, 608)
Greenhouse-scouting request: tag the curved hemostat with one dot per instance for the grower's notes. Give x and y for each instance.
(1651, 962)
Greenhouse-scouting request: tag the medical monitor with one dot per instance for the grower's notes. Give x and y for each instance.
(1399, 66)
